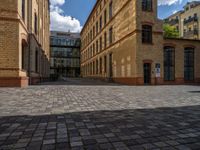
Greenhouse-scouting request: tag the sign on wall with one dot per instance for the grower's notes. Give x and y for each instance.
(157, 70)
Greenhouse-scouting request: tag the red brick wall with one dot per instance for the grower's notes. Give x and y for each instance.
(13, 81)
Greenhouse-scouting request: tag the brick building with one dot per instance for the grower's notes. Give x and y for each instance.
(123, 41)
(24, 42)
(187, 21)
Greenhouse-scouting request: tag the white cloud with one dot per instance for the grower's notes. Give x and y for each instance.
(175, 11)
(171, 2)
(57, 2)
(168, 2)
(61, 22)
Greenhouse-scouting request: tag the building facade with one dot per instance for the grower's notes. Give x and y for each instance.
(65, 54)
(187, 21)
(123, 41)
(24, 42)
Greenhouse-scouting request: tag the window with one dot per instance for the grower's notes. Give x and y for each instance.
(23, 57)
(105, 40)
(97, 65)
(100, 67)
(93, 31)
(97, 47)
(111, 35)
(101, 44)
(146, 34)
(111, 10)
(105, 17)
(90, 68)
(189, 64)
(93, 67)
(36, 61)
(97, 28)
(105, 63)
(100, 23)
(169, 63)
(23, 10)
(93, 49)
(36, 24)
(90, 35)
(147, 5)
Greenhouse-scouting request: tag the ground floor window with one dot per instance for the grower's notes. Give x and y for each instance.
(189, 64)
(97, 67)
(105, 64)
(169, 63)
(100, 67)
(23, 57)
(36, 61)
(93, 68)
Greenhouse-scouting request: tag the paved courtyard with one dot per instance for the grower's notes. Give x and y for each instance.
(93, 115)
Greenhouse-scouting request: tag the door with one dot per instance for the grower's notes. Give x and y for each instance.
(147, 73)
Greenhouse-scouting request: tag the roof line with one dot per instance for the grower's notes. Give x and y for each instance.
(97, 1)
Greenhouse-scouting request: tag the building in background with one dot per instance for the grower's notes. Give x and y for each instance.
(65, 54)
(187, 21)
(123, 41)
(24, 42)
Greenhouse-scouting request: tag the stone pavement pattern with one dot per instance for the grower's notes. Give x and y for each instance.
(92, 115)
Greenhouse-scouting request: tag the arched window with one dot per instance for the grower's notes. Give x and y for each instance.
(189, 64)
(169, 63)
(146, 34)
(147, 5)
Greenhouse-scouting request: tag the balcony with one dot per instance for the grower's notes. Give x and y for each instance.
(172, 21)
(191, 34)
(192, 19)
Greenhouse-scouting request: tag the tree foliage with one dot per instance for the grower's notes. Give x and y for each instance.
(170, 31)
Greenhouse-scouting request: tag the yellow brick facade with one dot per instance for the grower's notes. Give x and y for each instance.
(123, 59)
(24, 29)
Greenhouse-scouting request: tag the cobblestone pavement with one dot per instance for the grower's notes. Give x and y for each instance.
(91, 115)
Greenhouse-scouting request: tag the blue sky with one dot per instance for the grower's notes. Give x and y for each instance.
(70, 15)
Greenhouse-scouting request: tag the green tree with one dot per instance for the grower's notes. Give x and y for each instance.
(170, 31)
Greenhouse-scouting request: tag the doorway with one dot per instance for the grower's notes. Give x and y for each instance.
(147, 73)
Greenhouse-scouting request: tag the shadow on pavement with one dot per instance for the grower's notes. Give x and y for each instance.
(194, 91)
(160, 128)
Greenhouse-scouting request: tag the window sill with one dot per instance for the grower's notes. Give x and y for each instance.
(148, 43)
(148, 11)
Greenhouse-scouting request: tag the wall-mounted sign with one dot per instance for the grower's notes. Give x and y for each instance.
(157, 70)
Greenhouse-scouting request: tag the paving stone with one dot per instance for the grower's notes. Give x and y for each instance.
(76, 144)
(160, 144)
(182, 147)
(85, 114)
(46, 142)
